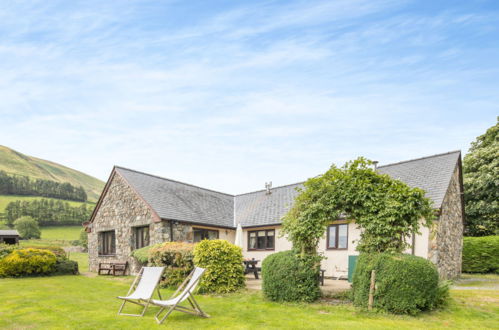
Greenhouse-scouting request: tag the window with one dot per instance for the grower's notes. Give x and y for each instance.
(141, 235)
(107, 243)
(261, 240)
(201, 234)
(337, 236)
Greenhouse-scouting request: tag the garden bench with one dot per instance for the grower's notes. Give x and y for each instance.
(114, 268)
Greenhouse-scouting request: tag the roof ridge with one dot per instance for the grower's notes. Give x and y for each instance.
(420, 158)
(283, 186)
(171, 180)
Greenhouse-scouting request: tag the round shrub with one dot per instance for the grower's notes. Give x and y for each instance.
(405, 284)
(290, 277)
(58, 251)
(481, 254)
(66, 267)
(176, 257)
(142, 254)
(27, 262)
(223, 262)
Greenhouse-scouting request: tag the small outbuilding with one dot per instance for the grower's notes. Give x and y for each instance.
(9, 237)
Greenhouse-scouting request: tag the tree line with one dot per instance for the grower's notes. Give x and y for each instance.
(23, 185)
(48, 212)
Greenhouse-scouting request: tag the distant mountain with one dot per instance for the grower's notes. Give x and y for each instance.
(16, 163)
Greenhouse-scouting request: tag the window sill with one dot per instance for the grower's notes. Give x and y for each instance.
(107, 255)
(337, 249)
(261, 250)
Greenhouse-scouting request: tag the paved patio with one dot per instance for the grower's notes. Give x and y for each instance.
(330, 286)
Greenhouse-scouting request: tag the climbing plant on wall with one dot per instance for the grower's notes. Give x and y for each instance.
(387, 210)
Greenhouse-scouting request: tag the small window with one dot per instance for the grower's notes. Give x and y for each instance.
(337, 236)
(201, 234)
(141, 235)
(261, 240)
(107, 243)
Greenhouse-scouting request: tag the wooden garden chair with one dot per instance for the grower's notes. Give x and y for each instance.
(186, 289)
(143, 288)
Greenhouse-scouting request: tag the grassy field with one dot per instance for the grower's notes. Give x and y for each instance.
(85, 302)
(55, 236)
(14, 162)
(6, 199)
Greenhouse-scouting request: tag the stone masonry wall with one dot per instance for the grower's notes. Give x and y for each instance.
(446, 238)
(122, 209)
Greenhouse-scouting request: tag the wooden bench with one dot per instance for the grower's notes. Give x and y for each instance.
(113, 268)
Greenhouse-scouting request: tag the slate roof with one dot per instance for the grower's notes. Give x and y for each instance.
(259, 208)
(9, 233)
(174, 200)
(432, 174)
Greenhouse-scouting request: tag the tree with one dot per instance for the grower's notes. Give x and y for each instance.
(27, 227)
(481, 184)
(387, 210)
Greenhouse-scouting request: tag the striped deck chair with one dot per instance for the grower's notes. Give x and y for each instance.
(143, 288)
(184, 292)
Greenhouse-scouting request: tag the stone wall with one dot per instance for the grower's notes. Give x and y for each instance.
(446, 238)
(121, 210)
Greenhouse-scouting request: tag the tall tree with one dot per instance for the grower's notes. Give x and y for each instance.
(481, 184)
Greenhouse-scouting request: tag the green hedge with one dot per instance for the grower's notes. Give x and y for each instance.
(289, 277)
(481, 254)
(224, 266)
(142, 254)
(66, 267)
(176, 257)
(28, 261)
(405, 284)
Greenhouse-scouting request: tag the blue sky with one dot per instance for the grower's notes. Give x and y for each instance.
(230, 94)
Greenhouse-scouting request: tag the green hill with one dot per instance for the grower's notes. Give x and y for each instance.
(16, 163)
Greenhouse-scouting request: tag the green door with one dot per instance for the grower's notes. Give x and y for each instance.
(352, 261)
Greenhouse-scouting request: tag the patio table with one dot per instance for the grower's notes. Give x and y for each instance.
(250, 267)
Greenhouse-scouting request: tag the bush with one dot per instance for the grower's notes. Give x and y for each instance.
(290, 277)
(58, 251)
(223, 262)
(28, 261)
(83, 240)
(66, 267)
(6, 249)
(27, 227)
(142, 254)
(176, 257)
(480, 254)
(405, 284)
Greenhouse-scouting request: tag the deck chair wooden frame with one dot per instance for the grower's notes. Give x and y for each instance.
(185, 289)
(142, 298)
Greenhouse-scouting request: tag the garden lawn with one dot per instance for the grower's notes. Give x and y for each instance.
(85, 302)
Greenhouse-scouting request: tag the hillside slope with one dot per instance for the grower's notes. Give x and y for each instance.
(14, 162)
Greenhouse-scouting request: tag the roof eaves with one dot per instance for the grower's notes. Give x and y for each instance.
(421, 158)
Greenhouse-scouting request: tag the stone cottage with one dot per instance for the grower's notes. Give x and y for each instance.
(138, 209)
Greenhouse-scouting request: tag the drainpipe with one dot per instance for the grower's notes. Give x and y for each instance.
(171, 231)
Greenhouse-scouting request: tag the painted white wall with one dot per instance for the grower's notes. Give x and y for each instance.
(281, 244)
(336, 262)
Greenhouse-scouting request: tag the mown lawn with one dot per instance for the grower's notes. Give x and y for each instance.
(86, 302)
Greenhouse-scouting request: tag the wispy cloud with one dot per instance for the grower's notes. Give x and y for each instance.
(228, 96)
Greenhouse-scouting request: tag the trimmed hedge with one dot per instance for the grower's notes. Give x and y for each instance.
(481, 254)
(176, 257)
(142, 254)
(290, 277)
(405, 284)
(224, 266)
(28, 261)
